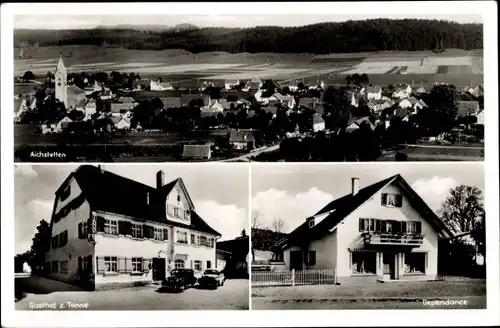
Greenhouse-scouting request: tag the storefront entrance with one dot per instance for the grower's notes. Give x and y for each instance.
(389, 260)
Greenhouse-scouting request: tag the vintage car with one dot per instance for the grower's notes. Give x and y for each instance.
(211, 278)
(180, 279)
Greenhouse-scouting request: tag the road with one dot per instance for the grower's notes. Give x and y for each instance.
(232, 296)
(246, 157)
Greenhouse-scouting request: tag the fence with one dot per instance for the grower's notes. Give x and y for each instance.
(294, 278)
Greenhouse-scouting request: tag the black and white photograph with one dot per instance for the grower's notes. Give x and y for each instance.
(131, 237)
(404, 236)
(252, 88)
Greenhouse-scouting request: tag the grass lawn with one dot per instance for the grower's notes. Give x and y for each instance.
(414, 289)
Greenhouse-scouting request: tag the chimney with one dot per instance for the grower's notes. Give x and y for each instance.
(160, 179)
(355, 186)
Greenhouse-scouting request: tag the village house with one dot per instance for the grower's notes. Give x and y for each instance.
(160, 86)
(287, 101)
(197, 152)
(476, 92)
(242, 139)
(140, 84)
(121, 123)
(57, 126)
(412, 103)
(89, 109)
(421, 90)
(318, 123)
(230, 84)
(110, 231)
(373, 93)
(402, 92)
(118, 109)
(255, 84)
(381, 232)
(480, 117)
(356, 123)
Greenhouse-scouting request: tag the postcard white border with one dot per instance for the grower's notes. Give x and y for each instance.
(12, 318)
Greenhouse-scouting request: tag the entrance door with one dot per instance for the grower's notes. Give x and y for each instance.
(296, 260)
(389, 265)
(159, 268)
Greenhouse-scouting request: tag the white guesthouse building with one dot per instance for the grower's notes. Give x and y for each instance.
(110, 231)
(382, 232)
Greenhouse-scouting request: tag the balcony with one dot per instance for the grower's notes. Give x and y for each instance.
(410, 239)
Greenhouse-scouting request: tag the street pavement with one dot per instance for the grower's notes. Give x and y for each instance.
(44, 294)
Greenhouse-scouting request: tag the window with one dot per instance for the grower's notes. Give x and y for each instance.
(137, 264)
(64, 266)
(65, 193)
(136, 230)
(193, 239)
(212, 242)
(86, 264)
(278, 256)
(311, 258)
(311, 223)
(111, 264)
(393, 200)
(414, 227)
(84, 228)
(197, 265)
(179, 264)
(159, 234)
(55, 266)
(63, 238)
(363, 262)
(111, 227)
(204, 241)
(55, 242)
(182, 237)
(177, 211)
(415, 262)
(209, 264)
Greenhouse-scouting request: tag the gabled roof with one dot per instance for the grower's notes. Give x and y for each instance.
(340, 208)
(128, 100)
(109, 192)
(318, 119)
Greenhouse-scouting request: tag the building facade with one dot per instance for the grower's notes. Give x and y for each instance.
(107, 231)
(382, 232)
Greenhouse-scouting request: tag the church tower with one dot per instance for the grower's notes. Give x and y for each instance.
(61, 77)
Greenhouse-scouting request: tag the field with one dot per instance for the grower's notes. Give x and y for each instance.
(184, 69)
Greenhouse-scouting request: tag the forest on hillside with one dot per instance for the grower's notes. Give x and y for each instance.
(322, 38)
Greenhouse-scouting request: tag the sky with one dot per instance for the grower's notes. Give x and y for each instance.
(293, 192)
(219, 193)
(91, 21)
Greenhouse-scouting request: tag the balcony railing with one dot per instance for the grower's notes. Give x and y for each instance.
(374, 238)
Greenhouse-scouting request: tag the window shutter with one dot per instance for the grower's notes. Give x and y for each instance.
(403, 227)
(418, 227)
(165, 234)
(399, 200)
(80, 232)
(191, 263)
(361, 224)
(100, 224)
(128, 264)
(90, 261)
(100, 264)
(80, 266)
(384, 199)
(121, 264)
(122, 229)
(145, 265)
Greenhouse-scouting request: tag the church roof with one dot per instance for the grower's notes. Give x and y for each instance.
(60, 66)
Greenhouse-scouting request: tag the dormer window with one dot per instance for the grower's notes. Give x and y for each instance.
(311, 223)
(392, 200)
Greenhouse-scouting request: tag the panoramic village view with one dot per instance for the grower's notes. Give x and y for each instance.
(187, 93)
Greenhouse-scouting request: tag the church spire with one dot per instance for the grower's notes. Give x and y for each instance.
(60, 65)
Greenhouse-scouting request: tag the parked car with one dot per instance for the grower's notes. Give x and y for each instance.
(180, 279)
(212, 278)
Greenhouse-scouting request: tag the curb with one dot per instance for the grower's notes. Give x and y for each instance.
(358, 299)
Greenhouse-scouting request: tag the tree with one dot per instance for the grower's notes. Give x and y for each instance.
(463, 208)
(41, 244)
(28, 76)
(255, 220)
(337, 105)
(268, 85)
(278, 225)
